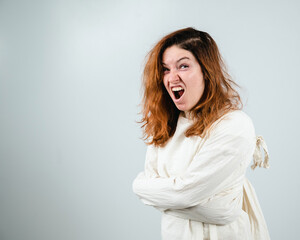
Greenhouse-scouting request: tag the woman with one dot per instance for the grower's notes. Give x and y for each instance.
(200, 144)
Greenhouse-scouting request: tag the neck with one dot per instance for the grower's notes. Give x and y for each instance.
(187, 114)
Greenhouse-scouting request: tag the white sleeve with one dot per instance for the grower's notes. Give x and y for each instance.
(151, 162)
(231, 142)
(223, 209)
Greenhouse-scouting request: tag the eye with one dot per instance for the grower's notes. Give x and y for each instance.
(183, 66)
(165, 70)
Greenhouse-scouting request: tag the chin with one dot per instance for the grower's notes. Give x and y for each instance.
(183, 109)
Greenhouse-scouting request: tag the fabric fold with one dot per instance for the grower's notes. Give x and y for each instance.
(251, 206)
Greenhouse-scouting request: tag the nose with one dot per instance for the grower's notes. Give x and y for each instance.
(173, 76)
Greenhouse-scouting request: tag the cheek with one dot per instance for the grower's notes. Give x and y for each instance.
(201, 87)
(165, 83)
(196, 82)
(197, 85)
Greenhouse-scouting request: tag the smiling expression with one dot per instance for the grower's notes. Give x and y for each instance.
(183, 78)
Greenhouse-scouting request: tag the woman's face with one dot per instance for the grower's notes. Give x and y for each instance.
(182, 78)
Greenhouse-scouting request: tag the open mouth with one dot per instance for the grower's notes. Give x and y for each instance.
(178, 92)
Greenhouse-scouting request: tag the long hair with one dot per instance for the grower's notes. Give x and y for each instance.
(159, 113)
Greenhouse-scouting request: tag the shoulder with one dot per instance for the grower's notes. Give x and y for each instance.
(236, 117)
(236, 122)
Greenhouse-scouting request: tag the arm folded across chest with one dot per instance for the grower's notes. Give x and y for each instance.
(210, 190)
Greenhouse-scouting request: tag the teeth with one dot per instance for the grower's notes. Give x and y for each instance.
(175, 89)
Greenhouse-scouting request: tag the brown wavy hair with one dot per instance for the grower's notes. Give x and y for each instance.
(159, 113)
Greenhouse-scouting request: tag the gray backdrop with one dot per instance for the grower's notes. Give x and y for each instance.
(70, 76)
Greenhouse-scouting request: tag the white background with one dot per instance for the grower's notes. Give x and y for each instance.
(70, 78)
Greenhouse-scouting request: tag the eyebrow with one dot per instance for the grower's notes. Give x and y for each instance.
(178, 60)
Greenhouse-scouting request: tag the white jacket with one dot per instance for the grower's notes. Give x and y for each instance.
(200, 185)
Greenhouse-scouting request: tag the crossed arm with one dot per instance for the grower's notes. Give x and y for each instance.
(210, 190)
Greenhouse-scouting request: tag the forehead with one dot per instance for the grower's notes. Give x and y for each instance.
(174, 53)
